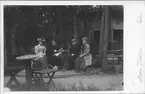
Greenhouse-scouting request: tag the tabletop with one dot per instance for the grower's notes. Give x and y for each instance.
(27, 57)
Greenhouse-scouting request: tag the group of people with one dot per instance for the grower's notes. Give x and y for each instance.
(79, 56)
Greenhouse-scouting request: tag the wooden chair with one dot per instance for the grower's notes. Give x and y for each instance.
(13, 69)
(39, 74)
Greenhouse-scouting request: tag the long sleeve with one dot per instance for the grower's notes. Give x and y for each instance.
(40, 49)
(44, 49)
(86, 50)
(36, 49)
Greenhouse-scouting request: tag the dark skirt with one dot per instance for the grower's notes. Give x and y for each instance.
(79, 64)
(71, 62)
(54, 60)
(40, 63)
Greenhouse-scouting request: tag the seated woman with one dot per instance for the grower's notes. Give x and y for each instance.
(40, 50)
(74, 52)
(54, 59)
(85, 58)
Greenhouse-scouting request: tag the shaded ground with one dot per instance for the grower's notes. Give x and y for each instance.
(104, 81)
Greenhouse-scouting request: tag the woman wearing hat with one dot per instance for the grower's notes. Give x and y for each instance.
(40, 49)
(85, 58)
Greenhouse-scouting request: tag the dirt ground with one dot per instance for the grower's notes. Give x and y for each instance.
(101, 80)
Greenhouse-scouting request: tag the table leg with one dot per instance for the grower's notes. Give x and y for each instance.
(28, 73)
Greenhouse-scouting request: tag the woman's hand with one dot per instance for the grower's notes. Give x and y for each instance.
(61, 49)
(44, 53)
(41, 54)
(81, 55)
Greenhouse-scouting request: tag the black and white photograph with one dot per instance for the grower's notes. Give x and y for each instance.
(63, 47)
(72, 46)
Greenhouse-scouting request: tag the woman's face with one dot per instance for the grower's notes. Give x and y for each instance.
(53, 43)
(83, 41)
(74, 42)
(40, 42)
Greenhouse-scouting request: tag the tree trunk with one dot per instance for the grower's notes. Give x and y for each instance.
(54, 33)
(13, 33)
(61, 21)
(82, 26)
(105, 39)
(86, 28)
(75, 29)
(5, 48)
(101, 37)
(110, 26)
(111, 30)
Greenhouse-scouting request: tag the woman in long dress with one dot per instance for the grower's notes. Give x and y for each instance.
(40, 50)
(85, 58)
(53, 59)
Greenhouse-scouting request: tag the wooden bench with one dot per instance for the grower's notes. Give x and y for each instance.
(114, 59)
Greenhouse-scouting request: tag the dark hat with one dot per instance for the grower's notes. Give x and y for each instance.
(41, 39)
(85, 38)
(73, 40)
(53, 41)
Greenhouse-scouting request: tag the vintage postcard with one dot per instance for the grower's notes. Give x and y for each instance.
(71, 46)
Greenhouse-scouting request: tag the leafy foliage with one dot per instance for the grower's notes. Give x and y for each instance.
(50, 21)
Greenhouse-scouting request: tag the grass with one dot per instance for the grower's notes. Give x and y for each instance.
(79, 86)
(82, 87)
(60, 87)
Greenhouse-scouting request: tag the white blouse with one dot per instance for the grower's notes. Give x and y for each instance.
(40, 49)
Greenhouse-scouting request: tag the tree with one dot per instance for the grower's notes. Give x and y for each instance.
(105, 31)
(105, 38)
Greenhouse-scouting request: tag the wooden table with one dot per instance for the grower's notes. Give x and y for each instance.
(27, 64)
